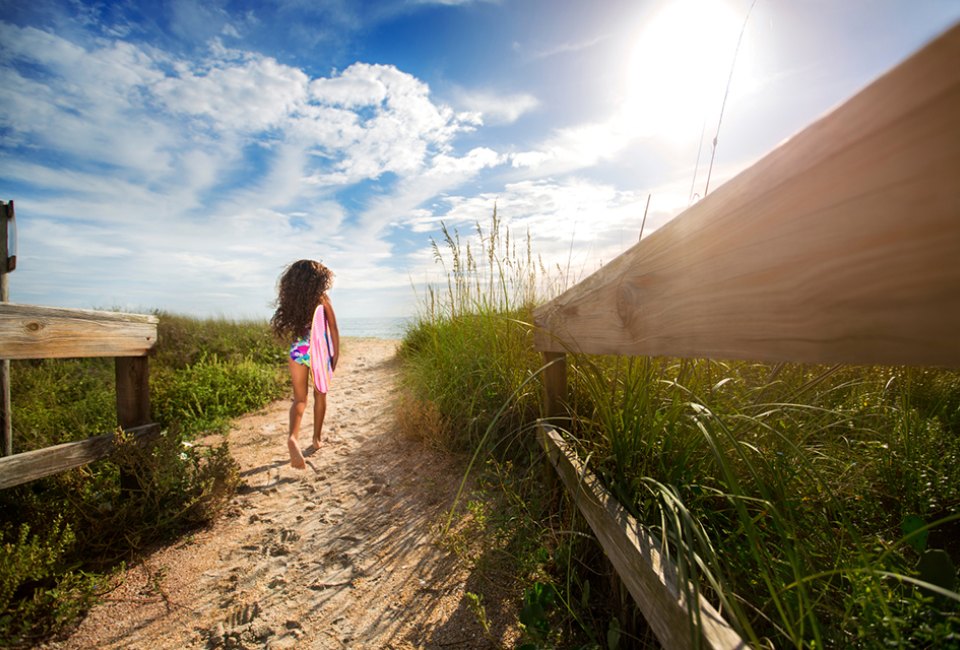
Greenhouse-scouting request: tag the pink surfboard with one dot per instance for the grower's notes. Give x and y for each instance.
(321, 350)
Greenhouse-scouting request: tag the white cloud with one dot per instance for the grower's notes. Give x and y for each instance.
(195, 20)
(373, 119)
(568, 47)
(226, 169)
(89, 103)
(496, 108)
(579, 147)
(191, 183)
(530, 158)
(357, 86)
(248, 96)
(446, 173)
(91, 241)
(476, 159)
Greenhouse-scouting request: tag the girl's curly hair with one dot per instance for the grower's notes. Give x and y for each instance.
(301, 288)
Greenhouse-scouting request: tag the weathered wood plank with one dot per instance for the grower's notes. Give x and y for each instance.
(6, 408)
(33, 332)
(840, 246)
(32, 465)
(133, 402)
(133, 391)
(6, 424)
(650, 577)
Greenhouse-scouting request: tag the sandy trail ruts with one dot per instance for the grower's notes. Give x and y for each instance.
(341, 555)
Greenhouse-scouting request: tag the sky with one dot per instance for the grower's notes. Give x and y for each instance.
(176, 155)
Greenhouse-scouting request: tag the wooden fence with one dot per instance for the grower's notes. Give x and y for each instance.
(840, 246)
(31, 332)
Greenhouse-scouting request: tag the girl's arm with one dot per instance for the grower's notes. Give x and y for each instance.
(334, 330)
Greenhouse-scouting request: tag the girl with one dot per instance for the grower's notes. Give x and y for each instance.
(305, 316)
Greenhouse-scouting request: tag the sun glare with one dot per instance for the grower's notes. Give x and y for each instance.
(678, 69)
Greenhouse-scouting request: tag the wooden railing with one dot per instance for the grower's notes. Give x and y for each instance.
(31, 332)
(840, 246)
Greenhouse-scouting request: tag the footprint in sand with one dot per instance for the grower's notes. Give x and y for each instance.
(243, 629)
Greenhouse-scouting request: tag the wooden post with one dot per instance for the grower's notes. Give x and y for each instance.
(133, 391)
(133, 403)
(554, 385)
(6, 421)
(554, 396)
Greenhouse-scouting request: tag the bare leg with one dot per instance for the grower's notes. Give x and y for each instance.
(319, 411)
(298, 375)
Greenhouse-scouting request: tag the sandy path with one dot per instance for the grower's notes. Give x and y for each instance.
(341, 555)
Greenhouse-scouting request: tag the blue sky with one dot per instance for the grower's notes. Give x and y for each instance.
(178, 154)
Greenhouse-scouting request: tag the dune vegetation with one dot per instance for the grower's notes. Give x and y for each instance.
(815, 506)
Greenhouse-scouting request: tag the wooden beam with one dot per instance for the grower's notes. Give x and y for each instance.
(6, 408)
(650, 577)
(840, 246)
(32, 465)
(133, 391)
(32, 332)
(6, 424)
(133, 403)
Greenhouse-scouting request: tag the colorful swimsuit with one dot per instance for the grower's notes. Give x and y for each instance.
(300, 351)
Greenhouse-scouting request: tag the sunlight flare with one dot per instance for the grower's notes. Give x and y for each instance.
(678, 68)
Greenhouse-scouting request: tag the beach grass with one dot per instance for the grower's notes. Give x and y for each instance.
(814, 506)
(468, 356)
(804, 501)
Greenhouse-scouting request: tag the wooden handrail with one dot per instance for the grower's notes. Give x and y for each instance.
(31, 465)
(33, 332)
(840, 246)
(650, 577)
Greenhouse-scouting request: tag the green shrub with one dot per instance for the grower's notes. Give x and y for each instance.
(78, 526)
(205, 395)
(184, 341)
(61, 400)
(39, 593)
(783, 489)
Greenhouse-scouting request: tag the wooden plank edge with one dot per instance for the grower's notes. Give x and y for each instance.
(40, 311)
(38, 332)
(40, 463)
(636, 557)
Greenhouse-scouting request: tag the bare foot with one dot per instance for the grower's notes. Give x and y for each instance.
(316, 442)
(296, 456)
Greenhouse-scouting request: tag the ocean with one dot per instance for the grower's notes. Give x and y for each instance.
(373, 327)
